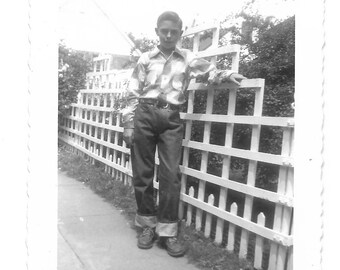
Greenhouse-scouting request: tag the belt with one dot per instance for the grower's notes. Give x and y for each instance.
(159, 103)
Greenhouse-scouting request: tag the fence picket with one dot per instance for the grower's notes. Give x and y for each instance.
(231, 232)
(207, 229)
(119, 173)
(129, 168)
(290, 259)
(107, 168)
(259, 243)
(124, 179)
(91, 150)
(113, 171)
(125, 176)
(189, 211)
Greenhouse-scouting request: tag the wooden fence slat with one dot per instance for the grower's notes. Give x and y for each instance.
(93, 108)
(246, 83)
(114, 145)
(285, 240)
(207, 227)
(241, 153)
(195, 30)
(224, 182)
(113, 171)
(231, 231)
(234, 49)
(101, 125)
(125, 177)
(189, 211)
(259, 243)
(241, 119)
(119, 173)
(290, 259)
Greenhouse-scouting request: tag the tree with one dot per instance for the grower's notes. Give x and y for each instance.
(143, 44)
(268, 51)
(73, 66)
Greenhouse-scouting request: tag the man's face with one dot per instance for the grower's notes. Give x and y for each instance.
(169, 33)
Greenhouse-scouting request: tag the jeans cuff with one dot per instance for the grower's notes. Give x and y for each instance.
(167, 229)
(145, 221)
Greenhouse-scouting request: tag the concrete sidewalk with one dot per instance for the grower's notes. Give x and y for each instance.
(93, 235)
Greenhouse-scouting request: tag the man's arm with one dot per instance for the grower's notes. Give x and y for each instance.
(134, 88)
(201, 67)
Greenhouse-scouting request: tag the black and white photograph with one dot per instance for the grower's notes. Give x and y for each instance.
(176, 134)
(194, 135)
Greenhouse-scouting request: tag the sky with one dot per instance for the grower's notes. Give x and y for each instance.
(85, 23)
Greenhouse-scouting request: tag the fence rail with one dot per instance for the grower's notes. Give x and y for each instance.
(208, 200)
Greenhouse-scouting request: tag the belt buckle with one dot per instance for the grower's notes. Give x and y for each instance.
(162, 105)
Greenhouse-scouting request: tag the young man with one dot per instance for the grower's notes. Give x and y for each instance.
(156, 92)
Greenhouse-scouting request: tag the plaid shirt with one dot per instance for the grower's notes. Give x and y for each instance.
(158, 77)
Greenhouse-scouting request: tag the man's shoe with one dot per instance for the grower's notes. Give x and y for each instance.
(174, 247)
(145, 240)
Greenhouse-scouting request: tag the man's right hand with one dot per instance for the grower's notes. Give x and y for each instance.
(128, 136)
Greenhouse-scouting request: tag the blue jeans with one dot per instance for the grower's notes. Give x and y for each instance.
(162, 128)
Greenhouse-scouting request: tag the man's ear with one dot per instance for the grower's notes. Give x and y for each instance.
(156, 31)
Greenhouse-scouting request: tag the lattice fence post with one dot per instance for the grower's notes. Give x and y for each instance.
(206, 134)
(226, 164)
(283, 214)
(252, 167)
(187, 135)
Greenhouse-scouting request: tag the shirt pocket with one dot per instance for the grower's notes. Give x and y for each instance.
(178, 81)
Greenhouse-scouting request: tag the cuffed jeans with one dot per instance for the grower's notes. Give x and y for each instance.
(163, 128)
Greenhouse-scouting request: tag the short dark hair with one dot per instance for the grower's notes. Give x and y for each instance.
(170, 16)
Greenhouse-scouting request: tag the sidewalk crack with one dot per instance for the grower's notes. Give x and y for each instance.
(74, 252)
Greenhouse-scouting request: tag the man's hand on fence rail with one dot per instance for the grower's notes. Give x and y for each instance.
(235, 78)
(128, 136)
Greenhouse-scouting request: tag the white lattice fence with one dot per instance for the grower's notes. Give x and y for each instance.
(93, 126)
(200, 205)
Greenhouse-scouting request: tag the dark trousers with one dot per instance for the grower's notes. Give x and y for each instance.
(162, 128)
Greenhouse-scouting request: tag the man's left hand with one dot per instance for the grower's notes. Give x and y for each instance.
(235, 78)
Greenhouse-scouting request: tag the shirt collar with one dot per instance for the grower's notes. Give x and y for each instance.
(156, 51)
